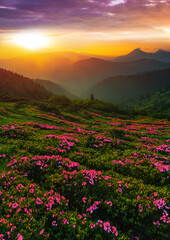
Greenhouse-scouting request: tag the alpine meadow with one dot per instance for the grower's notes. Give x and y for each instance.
(84, 119)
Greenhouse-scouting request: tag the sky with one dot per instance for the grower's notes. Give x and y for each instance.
(104, 27)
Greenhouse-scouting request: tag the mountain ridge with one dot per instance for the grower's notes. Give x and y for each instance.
(18, 86)
(84, 73)
(54, 88)
(136, 54)
(119, 89)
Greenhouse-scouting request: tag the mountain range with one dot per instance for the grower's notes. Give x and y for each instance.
(137, 54)
(119, 89)
(86, 73)
(78, 72)
(74, 75)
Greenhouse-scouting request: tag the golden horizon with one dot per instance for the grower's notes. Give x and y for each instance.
(104, 43)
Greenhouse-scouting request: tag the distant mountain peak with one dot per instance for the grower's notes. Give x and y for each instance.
(92, 59)
(161, 51)
(161, 55)
(137, 51)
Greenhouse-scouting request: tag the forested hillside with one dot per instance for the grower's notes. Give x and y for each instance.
(157, 102)
(120, 89)
(18, 86)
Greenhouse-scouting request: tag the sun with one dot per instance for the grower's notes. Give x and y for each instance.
(30, 40)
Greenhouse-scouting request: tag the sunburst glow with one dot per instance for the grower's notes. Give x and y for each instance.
(30, 40)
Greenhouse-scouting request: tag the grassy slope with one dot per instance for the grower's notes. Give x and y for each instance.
(133, 161)
(157, 101)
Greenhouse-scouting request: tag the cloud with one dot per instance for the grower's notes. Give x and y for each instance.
(85, 14)
(57, 35)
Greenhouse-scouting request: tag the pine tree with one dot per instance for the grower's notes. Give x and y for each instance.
(92, 96)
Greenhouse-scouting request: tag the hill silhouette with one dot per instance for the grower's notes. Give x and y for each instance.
(88, 72)
(78, 72)
(18, 86)
(120, 89)
(137, 54)
(54, 88)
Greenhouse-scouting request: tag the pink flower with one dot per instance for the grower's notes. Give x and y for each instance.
(155, 194)
(140, 208)
(19, 186)
(107, 178)
(1, 237)
(13, 227)
(41, 232)
(15, 205)
(32, 185)
(54, 223)
(20, 237)
(92, 225)
(108, 203)
(39, 201)
(31, 190)
(84, 199)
